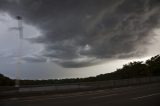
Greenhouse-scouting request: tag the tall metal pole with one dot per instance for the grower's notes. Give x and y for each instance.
(20, 29)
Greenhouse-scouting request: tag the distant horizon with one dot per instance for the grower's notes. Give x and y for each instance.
(76, 38)
(134, 60)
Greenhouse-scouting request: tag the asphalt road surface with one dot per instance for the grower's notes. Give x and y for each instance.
(144, 95)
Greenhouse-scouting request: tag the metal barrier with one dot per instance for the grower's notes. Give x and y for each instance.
(78, 86)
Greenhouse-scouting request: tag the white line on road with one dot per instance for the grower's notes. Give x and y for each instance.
(51, 98)
(40, 98)
(141, 97)
(103, 96)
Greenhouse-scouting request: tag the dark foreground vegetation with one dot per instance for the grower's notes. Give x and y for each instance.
(5, 81)
(131, 70)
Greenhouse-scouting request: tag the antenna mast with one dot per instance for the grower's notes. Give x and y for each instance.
(20, 29)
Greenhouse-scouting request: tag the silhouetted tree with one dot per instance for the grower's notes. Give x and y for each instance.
(153, 65)
(5, 81)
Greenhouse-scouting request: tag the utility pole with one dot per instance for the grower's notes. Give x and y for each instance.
(20, 30)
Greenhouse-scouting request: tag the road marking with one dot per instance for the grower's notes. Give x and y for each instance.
(141, 97)
(40, 98)
(14, 98)
(102, 96)
(71, 96)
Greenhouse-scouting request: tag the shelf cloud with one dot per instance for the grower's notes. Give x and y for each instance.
(78, 33)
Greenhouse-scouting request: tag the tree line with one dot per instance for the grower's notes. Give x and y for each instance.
(150, 67)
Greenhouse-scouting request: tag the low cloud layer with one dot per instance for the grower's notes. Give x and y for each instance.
(31, 59)
(78, 33)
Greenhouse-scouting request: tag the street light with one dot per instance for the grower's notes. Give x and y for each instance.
(20, 29)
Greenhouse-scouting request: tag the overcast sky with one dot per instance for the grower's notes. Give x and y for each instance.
(77, 38)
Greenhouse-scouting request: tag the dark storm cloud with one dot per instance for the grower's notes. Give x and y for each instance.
(76, 33)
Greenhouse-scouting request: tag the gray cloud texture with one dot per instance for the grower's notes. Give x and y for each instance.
(79, 33)
(31, 59)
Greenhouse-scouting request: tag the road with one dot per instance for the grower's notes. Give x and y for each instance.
(144, 95)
